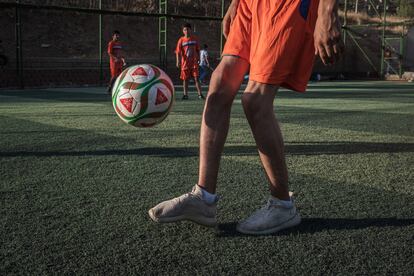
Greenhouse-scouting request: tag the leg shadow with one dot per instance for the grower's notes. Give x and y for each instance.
(315, 225)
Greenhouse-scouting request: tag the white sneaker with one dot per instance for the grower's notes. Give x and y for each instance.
(189, 206)
(271, 218)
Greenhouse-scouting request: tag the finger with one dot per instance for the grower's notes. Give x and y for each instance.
(341, 49)
(232, 17)
(226, 25)
(328, 50)
(337, 51)
(335, 54)
(323, 55)
(317, 43)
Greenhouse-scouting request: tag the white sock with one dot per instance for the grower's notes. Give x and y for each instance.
(208, 197)
(285, 203)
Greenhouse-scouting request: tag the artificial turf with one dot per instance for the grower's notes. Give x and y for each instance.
(76, 184)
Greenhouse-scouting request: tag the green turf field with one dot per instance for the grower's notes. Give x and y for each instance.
(76, 184)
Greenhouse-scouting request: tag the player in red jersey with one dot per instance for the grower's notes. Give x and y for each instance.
(188, 50)
(116, 58)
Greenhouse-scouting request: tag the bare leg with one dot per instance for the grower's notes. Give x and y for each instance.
(111, 84)
(224, 84)
(258, 107)
(185, 87)
(198, 86)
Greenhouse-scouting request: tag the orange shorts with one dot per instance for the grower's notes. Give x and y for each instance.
(188, 73)
(116, 69)
(276, 38)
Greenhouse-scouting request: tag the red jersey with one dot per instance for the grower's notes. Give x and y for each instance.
(114, 48)
(189, 49)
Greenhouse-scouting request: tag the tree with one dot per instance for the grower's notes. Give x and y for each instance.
(406, 8)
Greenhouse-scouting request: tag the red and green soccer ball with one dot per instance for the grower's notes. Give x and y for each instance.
(143, 95)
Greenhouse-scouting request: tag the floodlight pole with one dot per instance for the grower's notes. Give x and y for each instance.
(19, 53)
(384, 22)
(100, 46)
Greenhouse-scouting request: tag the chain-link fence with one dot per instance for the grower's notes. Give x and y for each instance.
(61, 42)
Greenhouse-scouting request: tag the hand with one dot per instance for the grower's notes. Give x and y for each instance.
(177, 65)
(123, 62)
(229, 17)
(327, 35)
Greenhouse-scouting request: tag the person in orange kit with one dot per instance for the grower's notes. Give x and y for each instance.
(116, 58)
(187, 58)
(276, 40)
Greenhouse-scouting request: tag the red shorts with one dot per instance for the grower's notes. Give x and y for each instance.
(116, 69)
(188, 73)
(276, 38)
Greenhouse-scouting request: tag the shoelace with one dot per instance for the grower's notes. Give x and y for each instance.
(182, 197)
(270, 204)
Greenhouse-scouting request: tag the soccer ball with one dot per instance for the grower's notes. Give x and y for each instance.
(143, 95)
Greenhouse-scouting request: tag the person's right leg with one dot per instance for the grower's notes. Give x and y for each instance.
(203, 73)
(224, 85)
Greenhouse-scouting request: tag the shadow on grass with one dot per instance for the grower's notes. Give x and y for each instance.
(294, 148)
(374, 92)
(363, 90)
(70, 95)
(332, 148)
(362, 85)
(314, 225)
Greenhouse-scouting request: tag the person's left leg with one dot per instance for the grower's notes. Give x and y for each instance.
(185, 89)
(280, 212)
(202, 73)
(112, 80)
(257, 103)
(116, 70)
(195, 74)
(281, 54)
(198, 87)
(110, 85)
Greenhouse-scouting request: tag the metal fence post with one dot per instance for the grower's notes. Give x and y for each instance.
(221, 33)
(162, 33)
(100, 46)
(19, 54)
(384, 22)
